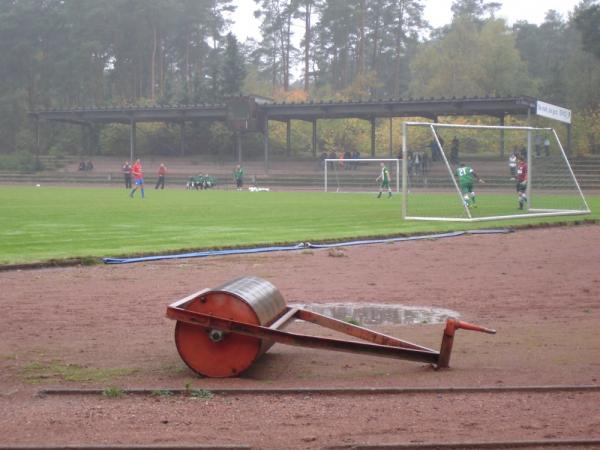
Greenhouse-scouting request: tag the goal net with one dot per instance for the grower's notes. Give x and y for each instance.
(359, 175)
(478, 172)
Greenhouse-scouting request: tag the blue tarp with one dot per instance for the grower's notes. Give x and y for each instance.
(300, 246)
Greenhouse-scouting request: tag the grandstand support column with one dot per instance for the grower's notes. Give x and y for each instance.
(314, 137)
(288, 137)
(266, 145)
(372, 136)
(132, 130)
(502, 140)
(182, 138)
(238, 146)
(37, 141)
(391, 137)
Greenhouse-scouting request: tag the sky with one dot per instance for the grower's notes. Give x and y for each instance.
(437, 12)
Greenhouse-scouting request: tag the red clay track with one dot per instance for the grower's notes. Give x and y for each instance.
(538, 288)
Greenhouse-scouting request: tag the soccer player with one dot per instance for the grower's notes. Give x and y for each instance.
(238, 176)
(384, 179)
(138, 177)
(466, 175)
(521, 180)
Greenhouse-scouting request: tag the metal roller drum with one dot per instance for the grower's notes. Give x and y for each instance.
(216, 353)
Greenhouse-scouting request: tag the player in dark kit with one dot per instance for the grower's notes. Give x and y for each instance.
(521, 180)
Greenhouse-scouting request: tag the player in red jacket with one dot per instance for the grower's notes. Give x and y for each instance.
(138, 177)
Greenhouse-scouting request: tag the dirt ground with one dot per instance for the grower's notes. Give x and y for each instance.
(101, 326)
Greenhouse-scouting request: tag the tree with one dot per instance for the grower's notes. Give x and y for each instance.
(587, 21)
(468, 61)
(233, 71)
(303, 10)
(546, 48)
(276, 29)
(475, 10)
(408, 22)
(337, 39)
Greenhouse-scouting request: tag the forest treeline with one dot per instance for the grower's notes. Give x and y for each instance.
(72, 53)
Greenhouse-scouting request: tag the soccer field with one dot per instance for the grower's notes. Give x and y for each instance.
(39, 224)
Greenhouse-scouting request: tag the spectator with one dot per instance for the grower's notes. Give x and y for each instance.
(436, 151)
(347, 157)
(89, 165)
(410, 162)
(547, 147)
(162, 171)
(322, 159)
(418, 163)
(332, 155)
(355, 155)
(454, 147)
(538, 145)
(126, 169)
(512, 164)
(81, 165)
(523, 153)
(424, 163)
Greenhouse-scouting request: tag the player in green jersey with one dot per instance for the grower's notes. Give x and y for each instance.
(238, 176)
(384, 181)
(466, 176)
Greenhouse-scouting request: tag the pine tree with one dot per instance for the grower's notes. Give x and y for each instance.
(232, 71)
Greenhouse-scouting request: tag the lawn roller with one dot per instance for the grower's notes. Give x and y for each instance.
(220, 332)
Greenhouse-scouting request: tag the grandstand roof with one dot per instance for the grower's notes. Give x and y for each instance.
(428, 108)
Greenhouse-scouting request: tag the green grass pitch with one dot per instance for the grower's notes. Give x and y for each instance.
(39, 224)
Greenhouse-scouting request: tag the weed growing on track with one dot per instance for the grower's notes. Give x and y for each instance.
(112, 392)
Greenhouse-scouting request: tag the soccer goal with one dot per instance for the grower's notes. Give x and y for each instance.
(477, 172)
(359, 175)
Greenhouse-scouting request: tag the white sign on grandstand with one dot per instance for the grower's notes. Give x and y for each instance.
(553, 112)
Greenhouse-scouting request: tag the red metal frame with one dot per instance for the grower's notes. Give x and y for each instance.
(377, 344)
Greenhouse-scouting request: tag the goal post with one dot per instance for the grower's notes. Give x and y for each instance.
(442, 166)
(359, 174)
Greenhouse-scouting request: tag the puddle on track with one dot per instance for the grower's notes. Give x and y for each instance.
(365, 314)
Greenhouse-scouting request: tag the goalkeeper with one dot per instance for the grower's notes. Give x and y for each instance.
(384, 179)
(466, 176)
